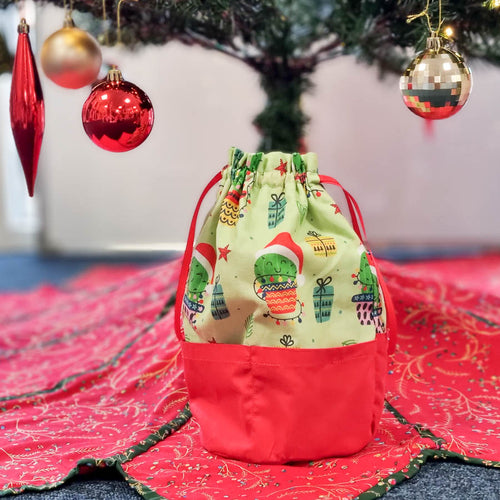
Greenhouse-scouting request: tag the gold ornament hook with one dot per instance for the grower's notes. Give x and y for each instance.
(65, 7)
(118, 21)
(68, 21)
(425, 13)
(68, 15)
(105, 18)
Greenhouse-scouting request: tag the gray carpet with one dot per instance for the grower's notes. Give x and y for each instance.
(102, 485)
(445, 480)
(437, 480)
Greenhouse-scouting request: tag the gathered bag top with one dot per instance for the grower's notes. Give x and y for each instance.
(277, 264)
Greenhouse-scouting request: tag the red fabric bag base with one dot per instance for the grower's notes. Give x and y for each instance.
(253, 402)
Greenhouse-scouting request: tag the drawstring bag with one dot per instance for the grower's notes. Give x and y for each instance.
(282, 314)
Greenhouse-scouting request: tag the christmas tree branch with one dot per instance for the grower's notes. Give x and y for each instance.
(328, 47)
(329, 55)
(192, 38)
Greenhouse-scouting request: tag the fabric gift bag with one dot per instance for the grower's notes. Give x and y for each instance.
(282, 314)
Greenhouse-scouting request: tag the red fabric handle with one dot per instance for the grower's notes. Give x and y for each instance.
(186, 261)
(359, 227)
(354, 210)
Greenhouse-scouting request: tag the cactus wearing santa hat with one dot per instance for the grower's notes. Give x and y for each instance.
(278, 272)
(368, 305)
(201, 273)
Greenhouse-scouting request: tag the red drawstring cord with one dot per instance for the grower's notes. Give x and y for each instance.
(354, 210)
(359, 228)
(186, 261)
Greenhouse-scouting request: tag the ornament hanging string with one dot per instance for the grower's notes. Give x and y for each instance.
(65, 6)
(437, 83)
(105, 19)
(130, 107)
(68, 14)
(425, 13)
(118, 21)
(21, 7)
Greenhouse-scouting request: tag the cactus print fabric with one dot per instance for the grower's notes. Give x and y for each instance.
(276, 263)
(92, 377)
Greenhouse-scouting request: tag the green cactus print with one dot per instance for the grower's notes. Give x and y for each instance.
(368, 279)
(239, 172)
(295, 278)
(274, 268)
(198, 278)
(236, 170)
(298, 161)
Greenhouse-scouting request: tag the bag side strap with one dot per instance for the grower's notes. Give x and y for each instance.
(359, 227)
(186, 260)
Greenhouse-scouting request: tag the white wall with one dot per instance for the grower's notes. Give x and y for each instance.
(18, 212)
(93, 199)
(412, 189)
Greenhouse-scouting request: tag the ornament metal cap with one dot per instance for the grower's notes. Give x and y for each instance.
(114, 75)
(23, 26)
(434, 42)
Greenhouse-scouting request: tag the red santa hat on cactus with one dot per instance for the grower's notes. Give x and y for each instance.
(206, 256)
(285, 246)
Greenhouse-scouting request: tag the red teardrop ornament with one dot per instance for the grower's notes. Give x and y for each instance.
(117, 116)
(27, 110)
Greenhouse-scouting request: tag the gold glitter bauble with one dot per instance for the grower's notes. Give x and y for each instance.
(71, 57)
(437, 83)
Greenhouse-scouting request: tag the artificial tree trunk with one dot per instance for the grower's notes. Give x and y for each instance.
(282, 122)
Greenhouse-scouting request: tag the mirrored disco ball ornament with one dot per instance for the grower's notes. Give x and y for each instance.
(117, 116)
(437, 83)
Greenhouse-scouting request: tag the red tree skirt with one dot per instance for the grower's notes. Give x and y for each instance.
(91, 377)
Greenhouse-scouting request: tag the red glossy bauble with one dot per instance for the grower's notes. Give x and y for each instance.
(27, 110)
(117, 116)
